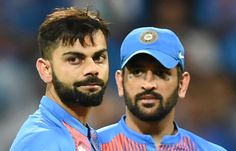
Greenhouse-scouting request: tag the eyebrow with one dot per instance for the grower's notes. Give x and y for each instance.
(79, 54)
(99, 52)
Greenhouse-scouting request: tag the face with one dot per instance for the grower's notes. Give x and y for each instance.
(80, 74)
(150, 90)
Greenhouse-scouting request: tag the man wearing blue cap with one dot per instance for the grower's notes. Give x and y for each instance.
(151, 79)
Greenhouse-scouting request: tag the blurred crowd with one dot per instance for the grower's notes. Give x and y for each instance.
(207, 29)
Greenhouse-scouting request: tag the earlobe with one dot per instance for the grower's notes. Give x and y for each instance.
(44, 69)
(183, 85)
(119, 82)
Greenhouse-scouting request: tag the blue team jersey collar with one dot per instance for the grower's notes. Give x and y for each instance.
(48, 105)
(143, 138)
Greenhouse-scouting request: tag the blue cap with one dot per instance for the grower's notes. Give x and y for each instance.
(162, 44)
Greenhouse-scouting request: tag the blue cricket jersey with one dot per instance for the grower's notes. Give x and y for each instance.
(51, 128)
(119, 137)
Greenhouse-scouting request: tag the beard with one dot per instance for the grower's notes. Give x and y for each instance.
(161, 111)
(71, 96)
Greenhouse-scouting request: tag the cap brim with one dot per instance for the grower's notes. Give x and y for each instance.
(164, 59)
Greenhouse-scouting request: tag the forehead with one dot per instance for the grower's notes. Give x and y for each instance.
(88, 49)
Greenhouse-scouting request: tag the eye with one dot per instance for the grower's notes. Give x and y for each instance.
(137, 72)
(163, 74)
(99, 58)
(74, 60)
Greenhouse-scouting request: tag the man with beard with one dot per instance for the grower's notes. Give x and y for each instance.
(151, 79)
(74, 65)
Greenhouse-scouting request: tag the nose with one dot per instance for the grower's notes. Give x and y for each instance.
(90, 68)
(149, 82)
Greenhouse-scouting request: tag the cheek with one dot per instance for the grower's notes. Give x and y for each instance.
(131, 88)
(168, 89)
(104, 78)
(66, 76)
(104, 73)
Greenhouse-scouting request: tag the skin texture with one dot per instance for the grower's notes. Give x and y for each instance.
(151, 92)
(77, 69)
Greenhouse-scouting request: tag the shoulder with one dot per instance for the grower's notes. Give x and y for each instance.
(38, 133)
(200, 142)
(113, 128)
(41, 140)
(108, 132)
(107, 129)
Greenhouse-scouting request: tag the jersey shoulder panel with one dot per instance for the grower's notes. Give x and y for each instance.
(201, 143)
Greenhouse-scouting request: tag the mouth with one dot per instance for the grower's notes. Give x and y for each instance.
(148, 100)
(90, 87)
(149, 97)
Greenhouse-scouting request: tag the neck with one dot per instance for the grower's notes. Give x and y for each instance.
(157, 129)
(79, 112)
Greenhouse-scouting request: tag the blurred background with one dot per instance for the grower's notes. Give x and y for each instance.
(207, 29)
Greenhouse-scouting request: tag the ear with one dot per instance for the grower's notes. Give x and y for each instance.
(119, 82)
(44, 69)
(183, 85)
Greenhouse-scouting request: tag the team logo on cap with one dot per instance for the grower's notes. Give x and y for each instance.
(149, 37)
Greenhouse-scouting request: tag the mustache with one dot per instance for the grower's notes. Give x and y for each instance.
(139, 96)
(90, 80)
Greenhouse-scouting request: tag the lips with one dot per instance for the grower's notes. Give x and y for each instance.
(148, 97)
(98, 84)
(91, 86)
(149, 100)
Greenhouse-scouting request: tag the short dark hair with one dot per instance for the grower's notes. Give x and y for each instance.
(66, 25)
